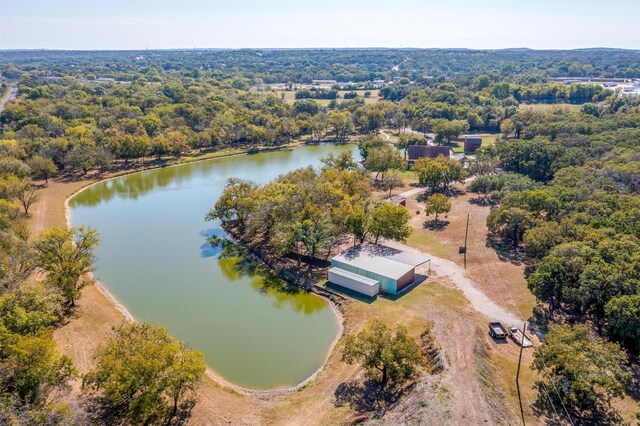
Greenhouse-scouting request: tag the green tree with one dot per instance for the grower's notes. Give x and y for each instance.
(66, 256)
(510, 224)
(438, 204)
(42, 167)
(450, 129)
(438, 173)
(547, 283)
(80, 157)
(160, 146)
(535, 158)
(235, 204)
(507, 127)
(586, 372)
(623, 316)
(392, 180)
(142, 371)
(314, 231)
(341, 122)
(308, 106)
(26, 194)
(357, 218)
(501, 90)
(342, 161)
(32, 368)
(390, 221)
(383, 158)
(367, 144)
(318, 125)
(393, 355)
(538, 241)
(10, 166)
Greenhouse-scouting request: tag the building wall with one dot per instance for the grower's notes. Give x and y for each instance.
(387, 284)
(405, 280)
(354, 285)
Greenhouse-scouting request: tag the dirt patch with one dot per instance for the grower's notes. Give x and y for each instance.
(497, 276)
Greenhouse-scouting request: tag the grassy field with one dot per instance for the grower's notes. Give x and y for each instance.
(549, 107)
(290, 97)
(488, 140)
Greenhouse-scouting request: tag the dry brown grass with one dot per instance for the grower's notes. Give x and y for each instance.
(499, 277)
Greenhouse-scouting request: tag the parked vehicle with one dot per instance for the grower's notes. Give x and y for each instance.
(497, 330)
(519, 338)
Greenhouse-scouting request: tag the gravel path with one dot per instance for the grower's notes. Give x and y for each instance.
(479, 301)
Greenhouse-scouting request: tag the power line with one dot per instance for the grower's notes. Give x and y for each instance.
(522, 317)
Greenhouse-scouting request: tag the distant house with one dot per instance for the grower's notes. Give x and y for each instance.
(398, 200)
(371, 268)
(416, 152)
(323, 82)
(471, 143)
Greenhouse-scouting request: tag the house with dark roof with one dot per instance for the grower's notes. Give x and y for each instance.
(472, 142)
(416, 152)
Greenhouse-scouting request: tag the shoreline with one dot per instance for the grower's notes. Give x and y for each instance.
(209, 372)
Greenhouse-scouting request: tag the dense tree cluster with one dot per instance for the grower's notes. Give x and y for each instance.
(144, 375)
(40, 282)
(343, 65)
(588, 371)
(571, 201)
(306, 211)
(33, 370)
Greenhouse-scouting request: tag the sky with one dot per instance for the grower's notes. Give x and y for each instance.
(162, 24)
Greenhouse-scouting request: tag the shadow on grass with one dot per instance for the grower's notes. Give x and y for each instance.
(505, 252)
(633, 387)
(366, 397)
(100, 412)
(419, 279)
(602, 414)
(481, 201)
(433, 225)
(539, 321)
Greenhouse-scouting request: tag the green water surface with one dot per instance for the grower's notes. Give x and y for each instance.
(155, 259)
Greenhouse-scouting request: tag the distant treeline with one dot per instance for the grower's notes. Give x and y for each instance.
(305, 65)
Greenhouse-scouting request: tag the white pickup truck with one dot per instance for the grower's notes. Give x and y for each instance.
(519, 338)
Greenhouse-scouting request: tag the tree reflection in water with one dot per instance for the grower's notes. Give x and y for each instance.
(236, 264)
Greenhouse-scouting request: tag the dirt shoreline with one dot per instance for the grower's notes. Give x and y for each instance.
(211, 373)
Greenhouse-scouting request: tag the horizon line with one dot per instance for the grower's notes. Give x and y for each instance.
(45, 49)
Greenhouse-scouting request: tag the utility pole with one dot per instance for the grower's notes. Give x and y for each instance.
(524, 329)
(466, 233)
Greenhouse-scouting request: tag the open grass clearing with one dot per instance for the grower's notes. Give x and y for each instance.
(289, 97)
(549, 107)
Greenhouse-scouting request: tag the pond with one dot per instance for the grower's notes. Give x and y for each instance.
(155, 259)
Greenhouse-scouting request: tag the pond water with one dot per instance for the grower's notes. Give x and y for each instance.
(154, 258)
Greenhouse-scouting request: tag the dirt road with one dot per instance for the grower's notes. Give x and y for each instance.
(479, 301)
(9, 96)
